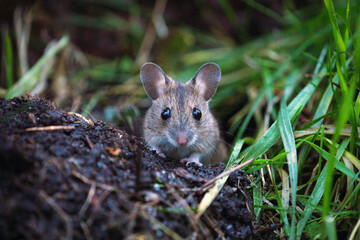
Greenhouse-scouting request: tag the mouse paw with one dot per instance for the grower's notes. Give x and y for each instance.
(194, 158)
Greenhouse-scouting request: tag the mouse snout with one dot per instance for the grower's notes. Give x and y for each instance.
(182, 139)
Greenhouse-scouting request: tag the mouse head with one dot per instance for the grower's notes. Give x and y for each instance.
(179, 116)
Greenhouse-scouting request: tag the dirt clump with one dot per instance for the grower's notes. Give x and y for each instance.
(63, 176)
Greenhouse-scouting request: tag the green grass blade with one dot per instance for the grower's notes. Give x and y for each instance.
(323, 106)
(330, 228)
(342, 81)
(326, 98)
(342, 118)
(354, 160)
(313, 201)
(282, 211)
(30, 79)
(339, 42)
(355, 122)
(8, 61)
(273, 133)
(288, 140)
(265, 10)
(347, 21)
(344, 109)
(92, 103)
(354, 117)
(247, 119)
(257, 198)
(319, 113)
(327, 156)
(352, 196)
(357, 107)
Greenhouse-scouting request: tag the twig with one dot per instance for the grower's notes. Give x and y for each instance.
(328, 129)
(214, 227)
(58, 210)
(89, 181)
(181, 172)
(195, 189)
(96, 207)
(88, 121)
(160, 198)
(159, 225)
(348, 84)
(87, 202)
(228, 172)
(309, 75)
(353, 232)
(185, 206)
(86, 230)
(49, 128)
(248, 201)
(76, 162)
(75, 104)
(132, 217)
(91, 145)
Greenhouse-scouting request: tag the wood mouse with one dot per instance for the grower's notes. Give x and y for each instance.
(179, 123)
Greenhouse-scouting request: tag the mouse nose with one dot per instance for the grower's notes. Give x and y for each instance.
(182, 139)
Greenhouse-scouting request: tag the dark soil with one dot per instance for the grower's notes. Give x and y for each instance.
(96, 182)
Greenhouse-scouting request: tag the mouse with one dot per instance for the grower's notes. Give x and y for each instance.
(179, 123)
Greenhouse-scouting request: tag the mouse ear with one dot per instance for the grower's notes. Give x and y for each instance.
(206, 80)
(154, 80)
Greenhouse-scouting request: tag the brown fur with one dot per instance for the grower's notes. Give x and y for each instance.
(181, 98)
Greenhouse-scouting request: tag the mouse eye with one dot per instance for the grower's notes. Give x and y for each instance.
(196, 114)
(166, 113)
